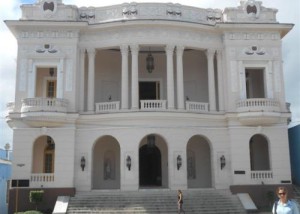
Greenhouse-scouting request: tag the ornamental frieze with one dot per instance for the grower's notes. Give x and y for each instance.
(252, 36)
(66, 34)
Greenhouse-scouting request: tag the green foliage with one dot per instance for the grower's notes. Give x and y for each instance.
(32, 212)
(36, 196)
(271, 197)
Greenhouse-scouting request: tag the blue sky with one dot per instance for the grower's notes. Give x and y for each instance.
(288, 13)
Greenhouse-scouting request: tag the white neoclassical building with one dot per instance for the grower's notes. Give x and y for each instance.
(148, 95)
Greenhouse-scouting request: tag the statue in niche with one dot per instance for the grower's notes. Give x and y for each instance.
(191, 166)
(109, 169)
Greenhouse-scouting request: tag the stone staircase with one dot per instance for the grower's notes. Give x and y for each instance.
(208, 201)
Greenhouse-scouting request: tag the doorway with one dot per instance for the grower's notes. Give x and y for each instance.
(150, 166)
(149, 90)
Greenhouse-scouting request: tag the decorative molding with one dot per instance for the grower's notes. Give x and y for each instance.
(48, 8)
(252, 36)
(46, 48)
(70, 34)
(254, 50)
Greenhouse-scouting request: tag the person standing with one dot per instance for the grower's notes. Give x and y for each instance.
(284, 205)
(180, 201)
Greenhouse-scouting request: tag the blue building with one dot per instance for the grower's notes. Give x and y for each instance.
(5, 175)
(294, 141)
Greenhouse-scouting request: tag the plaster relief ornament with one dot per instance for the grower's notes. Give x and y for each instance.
(46, 48)
(49, 8)
(252, 8)
(255, 50)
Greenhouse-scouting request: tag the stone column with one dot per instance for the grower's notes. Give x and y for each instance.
(81, 77)
(124, 77)
(170, 76)
(180, 83)
(220, 80)
(91, 80)
(134, 77)
(211, 79)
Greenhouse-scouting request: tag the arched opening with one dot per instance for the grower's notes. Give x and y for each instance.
(153, 158)
(198, 163)
(259, 153)
(150, 166)
(106, 164)
(43, 155)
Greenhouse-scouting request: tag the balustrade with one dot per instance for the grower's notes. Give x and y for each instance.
(196, 106)
(44, 104)
(153, 104)
(258, 104)
(107, 107)
(261, 175)
(42, 177)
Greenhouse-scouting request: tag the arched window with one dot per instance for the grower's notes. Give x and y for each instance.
(259, 153)
(49, 156)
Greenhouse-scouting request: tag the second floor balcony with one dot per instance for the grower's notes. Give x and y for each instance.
(258, 111)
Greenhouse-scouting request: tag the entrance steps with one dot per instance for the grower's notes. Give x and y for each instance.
(198, 201)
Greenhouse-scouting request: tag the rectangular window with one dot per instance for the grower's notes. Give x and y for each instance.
(51, 88)
(48, 163)
(255, 83)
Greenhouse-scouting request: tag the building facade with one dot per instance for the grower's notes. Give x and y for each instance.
(5, 176)
(149, 95)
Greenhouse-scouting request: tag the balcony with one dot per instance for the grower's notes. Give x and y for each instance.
(42, 111)
(258, 111)
(151, 105)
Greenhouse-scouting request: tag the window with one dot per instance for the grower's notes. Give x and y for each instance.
(49, 156)
(255, 86)
(51, 88)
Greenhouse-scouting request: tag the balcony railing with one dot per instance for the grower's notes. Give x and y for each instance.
(150, 105)
(44, 104)
(261, 175)
(107, 107)
(196, 106)
(42, 177)
(258, 104)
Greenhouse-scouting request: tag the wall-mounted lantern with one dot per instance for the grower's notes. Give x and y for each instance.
(179, 162)
(128, 162)
(82, 163)
(222, 161)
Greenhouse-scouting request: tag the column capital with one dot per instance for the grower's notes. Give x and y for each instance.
(82, 50)
(210, 52)
(124, 49)
(91, 51)
(169, 48)
(180, 49)
(134, 48)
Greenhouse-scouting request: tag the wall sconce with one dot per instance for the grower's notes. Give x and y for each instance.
(51, 72)
(128, 162)
(82, 163)
(179, 162)
(222, 161)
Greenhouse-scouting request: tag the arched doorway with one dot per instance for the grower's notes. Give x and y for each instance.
(259, 153)
(150, 166)
(198, 163)
(153, 159)
(106, 164)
